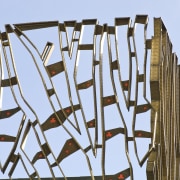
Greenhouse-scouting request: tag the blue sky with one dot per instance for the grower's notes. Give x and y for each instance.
(105, 11)
(20, 11)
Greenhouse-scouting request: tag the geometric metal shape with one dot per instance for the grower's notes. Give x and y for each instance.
(162, 102)
(8, 113)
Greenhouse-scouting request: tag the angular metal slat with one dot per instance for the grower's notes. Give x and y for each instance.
(113, 132)
(89, 22)
(69, 148)
(142, 108)
(125, 85)
(120, 176)
(51, 92)
(98, 29)
(141, 19)
(7, 138)
(122, 21)
(85, 84)
(114, 65)
(85, 46)
(148, 43)
(142, 134)
(91, 123)
(108, 100)
(9, 82)
(141, 78)
(55, 68)
(52, 121)
(36, 25)
(8, 113)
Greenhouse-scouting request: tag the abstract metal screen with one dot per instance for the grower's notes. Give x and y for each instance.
(83, 99)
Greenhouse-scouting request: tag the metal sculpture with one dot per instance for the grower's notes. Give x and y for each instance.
(84, 93)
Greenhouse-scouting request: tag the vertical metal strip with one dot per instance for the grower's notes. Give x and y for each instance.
(16, 101)
(121, 22)
(155, 93)
(94, 63)
(139, 20)
(66, 74)
(117, 103)
(101, 102)
(78, 94)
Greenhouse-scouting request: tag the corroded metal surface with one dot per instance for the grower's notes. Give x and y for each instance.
(83, 93)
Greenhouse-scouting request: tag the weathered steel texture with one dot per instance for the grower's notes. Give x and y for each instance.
(163, 163)
(163, 154)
